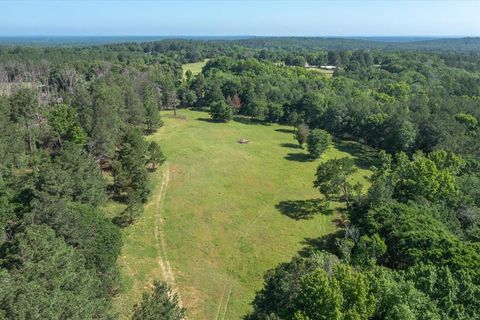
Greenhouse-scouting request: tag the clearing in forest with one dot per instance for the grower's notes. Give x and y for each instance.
(195, 67)
(228, 213)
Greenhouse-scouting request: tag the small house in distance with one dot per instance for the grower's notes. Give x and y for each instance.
(328, 67)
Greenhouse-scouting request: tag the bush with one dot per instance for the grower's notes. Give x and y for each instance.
(221, 111)
(318, 142)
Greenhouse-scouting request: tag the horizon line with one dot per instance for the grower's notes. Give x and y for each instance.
(238, 35)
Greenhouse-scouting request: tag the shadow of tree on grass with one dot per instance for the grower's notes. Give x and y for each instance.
(326, 243)
(208, 120)
(363, 156)
(300, 157)
(285, 130)
(303, 209)
(249, 120)
(290, 145)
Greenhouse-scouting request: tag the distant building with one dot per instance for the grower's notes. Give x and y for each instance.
(328, 67)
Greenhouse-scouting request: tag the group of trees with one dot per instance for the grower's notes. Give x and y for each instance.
(411, 249)
(62, 132)
(399, 102)
(70, 116)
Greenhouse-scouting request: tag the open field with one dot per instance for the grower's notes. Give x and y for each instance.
(195, 67)
(327, 73)
(214, 224)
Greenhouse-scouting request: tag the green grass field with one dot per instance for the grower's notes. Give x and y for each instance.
(327, 73)
(214, 223)
(195, 67)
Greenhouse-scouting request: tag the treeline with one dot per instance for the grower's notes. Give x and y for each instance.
(72, 126)
(406, 102)
(71, 138)
(410, 248)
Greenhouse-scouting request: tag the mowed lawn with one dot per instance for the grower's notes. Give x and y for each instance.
(222, 224)
(195, 67)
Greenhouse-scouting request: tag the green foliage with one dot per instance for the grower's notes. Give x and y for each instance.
(467, 119)
(455, 293)
(318, 142)
(72, 175)
(343, 295)
(161, 303)
(320, 297)
(64, 121)
(420, 177)
(152, 114)
(282, 289)
(130, 174)
(413, 235)
(47, 279)
(301, 134)
(155, 155)
(398, 299)
(221, 111)
(24, 107)
(368, 250)
(332, 178)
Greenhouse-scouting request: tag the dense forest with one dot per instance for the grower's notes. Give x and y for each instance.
(73, 127)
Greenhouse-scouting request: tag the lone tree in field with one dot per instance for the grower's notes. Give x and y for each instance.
(332, 179)
(155, 155)
(318, 142)
(160, 304)
(221, 111)
(301, 134)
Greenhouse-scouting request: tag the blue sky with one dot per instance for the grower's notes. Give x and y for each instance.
(247, 17)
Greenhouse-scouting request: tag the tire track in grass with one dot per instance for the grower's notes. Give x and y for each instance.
(163, 261)
(229, 282)
(221, 298)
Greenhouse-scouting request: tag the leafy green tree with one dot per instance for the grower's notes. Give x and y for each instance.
(280, 295)
(343, 295)
(368, 250)
(64, 121)
(155, 155)
(332, 178)
(320, 297)
(161, 303)
(421, 178)
(318, 142)
(413, 234)
(221, 111)
(401, 137)
(454, 292)
(398, 299)
(301, 134)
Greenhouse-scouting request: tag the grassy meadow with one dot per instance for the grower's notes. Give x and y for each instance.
(325, 72)
(195, 67)
(223, 213)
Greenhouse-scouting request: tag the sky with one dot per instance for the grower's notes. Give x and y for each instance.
(240, 17)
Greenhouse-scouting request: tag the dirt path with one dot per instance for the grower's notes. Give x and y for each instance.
(163, 262)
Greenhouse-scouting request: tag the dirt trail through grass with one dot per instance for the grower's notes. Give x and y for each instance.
(163, 262)
(222, 213)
